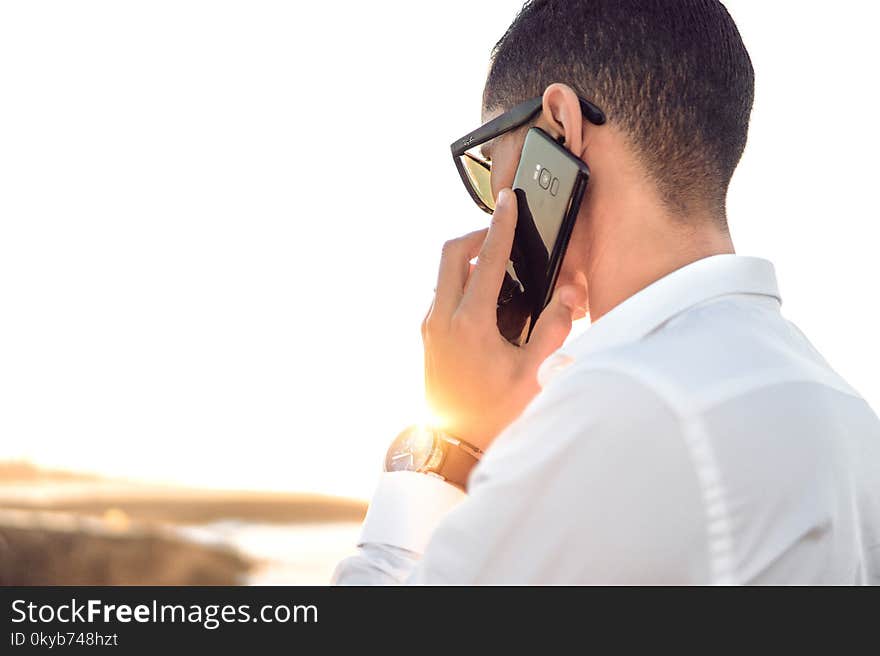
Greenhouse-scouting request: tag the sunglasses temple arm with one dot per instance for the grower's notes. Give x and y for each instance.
(496, 127)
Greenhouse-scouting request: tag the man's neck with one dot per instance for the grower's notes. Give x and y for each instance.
(621, 268)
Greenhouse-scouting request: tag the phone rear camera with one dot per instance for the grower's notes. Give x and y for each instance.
(545, 179)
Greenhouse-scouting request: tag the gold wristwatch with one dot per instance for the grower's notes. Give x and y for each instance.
(431, 451)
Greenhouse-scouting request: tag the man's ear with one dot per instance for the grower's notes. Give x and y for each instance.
(562, 114)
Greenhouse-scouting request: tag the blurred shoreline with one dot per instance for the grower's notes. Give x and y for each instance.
(64, 528)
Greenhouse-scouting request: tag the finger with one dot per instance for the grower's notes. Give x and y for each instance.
(454, 271)
(426, 317)
(554, 323)
(481, 294)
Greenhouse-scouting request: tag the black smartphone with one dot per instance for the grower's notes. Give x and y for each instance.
(549, 187)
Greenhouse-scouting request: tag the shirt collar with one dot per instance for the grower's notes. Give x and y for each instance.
(634, 318)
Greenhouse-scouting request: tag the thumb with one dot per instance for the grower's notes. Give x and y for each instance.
(554, 324)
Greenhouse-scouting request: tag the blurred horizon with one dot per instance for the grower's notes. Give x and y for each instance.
(27, 476)
(66, 528)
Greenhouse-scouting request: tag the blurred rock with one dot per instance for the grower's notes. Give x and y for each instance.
(55, 549)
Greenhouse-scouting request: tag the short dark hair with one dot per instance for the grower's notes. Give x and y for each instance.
(673, 75)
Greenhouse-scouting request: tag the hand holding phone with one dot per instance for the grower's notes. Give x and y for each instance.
(549, 187)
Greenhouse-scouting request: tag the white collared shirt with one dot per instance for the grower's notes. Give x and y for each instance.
(691, 435)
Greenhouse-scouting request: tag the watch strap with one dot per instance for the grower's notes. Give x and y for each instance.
(458, 461)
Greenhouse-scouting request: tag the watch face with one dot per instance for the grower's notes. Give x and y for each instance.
(411, 450)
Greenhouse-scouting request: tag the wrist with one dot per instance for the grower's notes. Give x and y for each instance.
(433, 452)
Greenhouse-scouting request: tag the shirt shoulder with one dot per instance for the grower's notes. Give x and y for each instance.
(717, 351)
(751, 397)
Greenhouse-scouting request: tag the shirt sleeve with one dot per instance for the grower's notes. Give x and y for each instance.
(593, 484)
(404, 511)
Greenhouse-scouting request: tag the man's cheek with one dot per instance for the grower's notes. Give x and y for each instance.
(503, 173)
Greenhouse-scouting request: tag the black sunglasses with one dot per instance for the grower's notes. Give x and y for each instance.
(476, 171)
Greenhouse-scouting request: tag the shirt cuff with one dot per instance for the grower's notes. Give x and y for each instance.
(405, 509)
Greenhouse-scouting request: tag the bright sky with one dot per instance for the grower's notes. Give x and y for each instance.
(220, 221)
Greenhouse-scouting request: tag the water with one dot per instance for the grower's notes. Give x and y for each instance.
(287, 554)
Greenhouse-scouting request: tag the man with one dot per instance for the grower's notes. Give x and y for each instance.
(691, 434)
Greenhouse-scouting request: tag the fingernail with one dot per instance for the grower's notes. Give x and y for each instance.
(502, 199)
(570, 297)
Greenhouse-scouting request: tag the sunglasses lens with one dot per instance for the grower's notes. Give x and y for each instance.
(479, 174)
